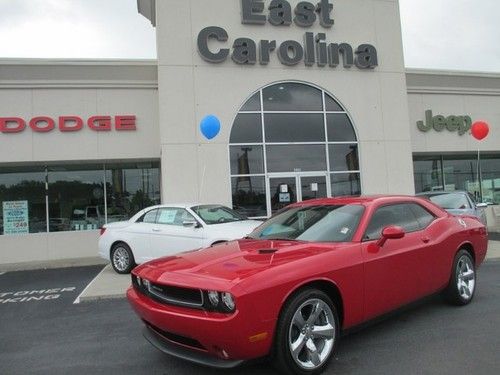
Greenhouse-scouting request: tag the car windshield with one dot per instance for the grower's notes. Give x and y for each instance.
(450, 201)
(215, 214)
(312, 223)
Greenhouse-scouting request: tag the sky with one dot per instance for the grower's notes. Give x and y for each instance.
(437, 34)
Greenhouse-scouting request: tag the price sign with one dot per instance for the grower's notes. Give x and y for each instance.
(15, 217)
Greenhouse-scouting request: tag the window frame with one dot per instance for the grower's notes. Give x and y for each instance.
(327, 143)
(178, 209)
(364, 239)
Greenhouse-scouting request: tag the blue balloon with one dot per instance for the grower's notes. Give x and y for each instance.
(210, 126)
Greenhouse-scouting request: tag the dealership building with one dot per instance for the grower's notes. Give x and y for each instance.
(313, 100)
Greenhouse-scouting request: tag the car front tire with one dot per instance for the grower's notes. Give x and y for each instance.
(462, 285)
(307, 334)
(122, 258)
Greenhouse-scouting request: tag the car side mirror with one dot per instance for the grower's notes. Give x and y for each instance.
(391, 232)
(191, 223)
(482, 205)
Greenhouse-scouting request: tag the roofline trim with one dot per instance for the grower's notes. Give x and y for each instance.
(89, 62)
(460, 73)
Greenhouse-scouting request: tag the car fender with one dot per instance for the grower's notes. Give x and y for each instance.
(276, 286)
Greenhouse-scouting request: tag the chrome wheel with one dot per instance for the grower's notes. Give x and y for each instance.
(121, 259)
(311, 335)
(466, 277)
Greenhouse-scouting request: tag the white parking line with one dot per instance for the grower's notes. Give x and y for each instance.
(77, 300)
(2, 273)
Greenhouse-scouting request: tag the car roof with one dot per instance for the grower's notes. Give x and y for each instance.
(440, 192)
(366, 199)
(183, 205)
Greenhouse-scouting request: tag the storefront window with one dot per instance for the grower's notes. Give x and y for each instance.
(249, 195)
(76, 197)
(490, 178)
(22, 201)
(428, 173)
(130, 188)
(296, 157)
(285, 150)
(459, 172)
(293, 127)
(345, 184)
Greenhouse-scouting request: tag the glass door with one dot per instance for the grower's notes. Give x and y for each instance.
(285, 189)
(312, 187)
(282, 192)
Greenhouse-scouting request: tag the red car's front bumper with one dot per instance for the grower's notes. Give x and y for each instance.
(213, 339)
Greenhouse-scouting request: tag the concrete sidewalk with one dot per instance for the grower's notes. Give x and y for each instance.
(109, 284)
(493, 250)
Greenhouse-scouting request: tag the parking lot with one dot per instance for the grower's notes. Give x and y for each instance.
(50, 334)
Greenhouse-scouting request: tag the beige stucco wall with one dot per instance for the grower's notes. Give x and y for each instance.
(453, 93)
(190, 88)
(45, 88)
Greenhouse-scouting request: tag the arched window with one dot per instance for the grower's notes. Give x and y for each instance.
(290, 142)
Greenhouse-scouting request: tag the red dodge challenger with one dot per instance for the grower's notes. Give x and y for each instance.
(306, 274)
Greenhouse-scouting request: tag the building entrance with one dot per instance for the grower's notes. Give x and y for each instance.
(288, 188)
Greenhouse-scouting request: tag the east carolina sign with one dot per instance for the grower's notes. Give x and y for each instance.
(44, 124)
(313, 50)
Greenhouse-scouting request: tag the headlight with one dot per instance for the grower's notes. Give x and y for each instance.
(228, 301)
(213, 297)
(218, 301)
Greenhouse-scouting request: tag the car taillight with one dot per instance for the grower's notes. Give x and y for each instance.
(102, 231)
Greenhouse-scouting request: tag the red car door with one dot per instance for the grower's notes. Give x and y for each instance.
(392, 271)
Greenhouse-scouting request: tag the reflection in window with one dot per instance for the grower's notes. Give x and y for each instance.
(293, 127)
(313, 187)
(288, 135)
(490, 178)
(344, 157)
(292, 97)
(345, 184)
(249, 196)
(76, 196)
(247, 128)
(130, 188)
(340, 128)
(299, 158)
(22, 201)
(252, 104)
(428, 173)
(459, 172)
(247, 160)
(332, 105)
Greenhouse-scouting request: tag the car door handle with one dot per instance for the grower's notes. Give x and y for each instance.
(156, 230)
(425, 239)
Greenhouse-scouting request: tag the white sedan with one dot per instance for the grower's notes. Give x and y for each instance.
(169, 229)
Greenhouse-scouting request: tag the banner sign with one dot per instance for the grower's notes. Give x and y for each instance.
(15, 217)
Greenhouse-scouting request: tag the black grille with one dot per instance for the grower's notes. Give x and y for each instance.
(177, 339)
(168, 294)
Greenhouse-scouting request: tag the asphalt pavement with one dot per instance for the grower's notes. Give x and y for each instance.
(52, 335)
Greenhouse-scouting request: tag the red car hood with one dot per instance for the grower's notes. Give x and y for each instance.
(227, 263)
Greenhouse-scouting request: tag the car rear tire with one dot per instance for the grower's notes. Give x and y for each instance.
(462, 285)
(122, 258)
(306, 334)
